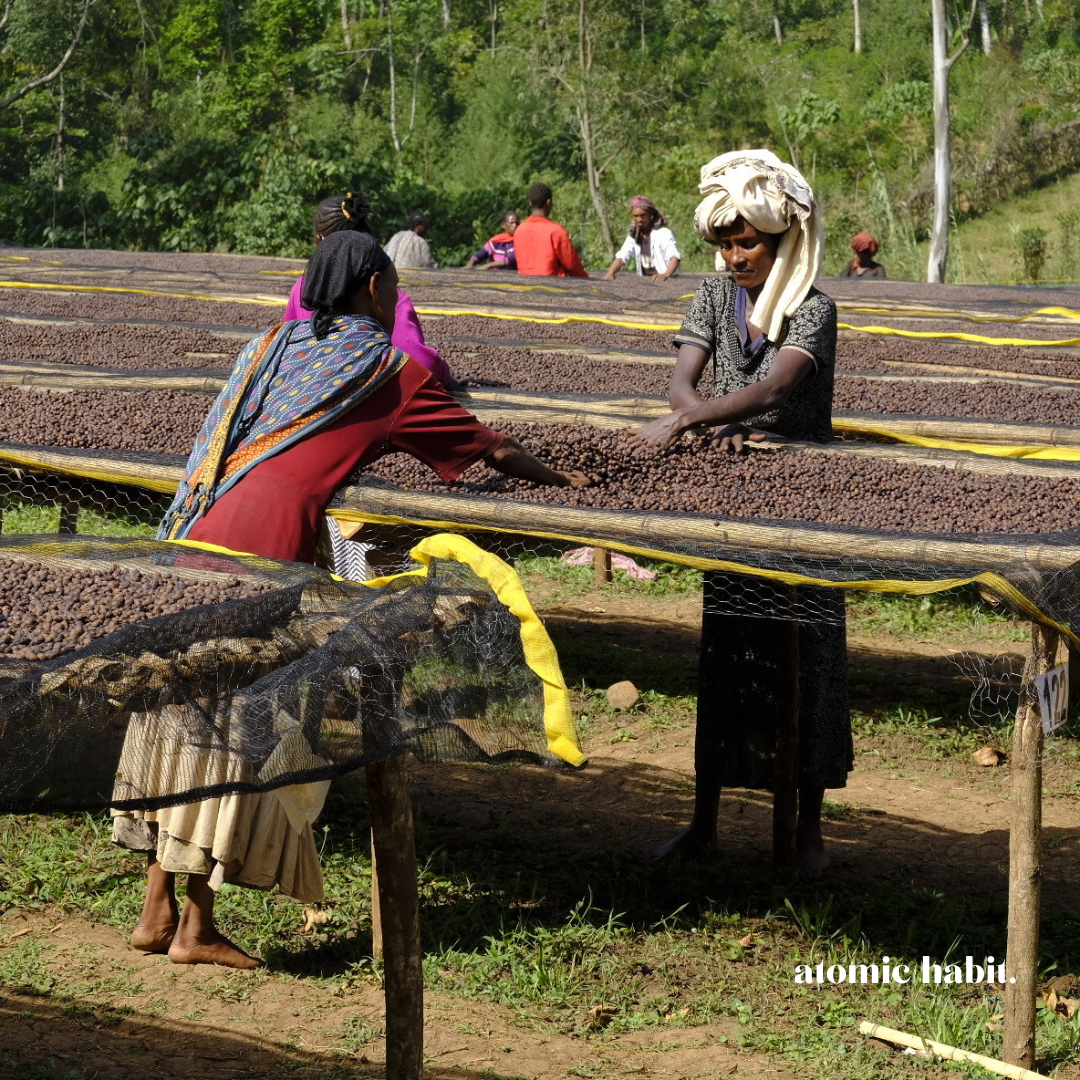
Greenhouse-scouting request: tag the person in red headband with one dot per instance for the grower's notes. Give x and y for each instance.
(650, 243)
(865, 247)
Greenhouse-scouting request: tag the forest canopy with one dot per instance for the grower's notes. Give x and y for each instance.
(219, 124)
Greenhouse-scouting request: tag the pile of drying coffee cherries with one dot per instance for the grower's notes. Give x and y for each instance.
(118, 307)
(552, 372)
(161, 421)
(982, 401)
(804, 486)
(46, 611)
(115, 345)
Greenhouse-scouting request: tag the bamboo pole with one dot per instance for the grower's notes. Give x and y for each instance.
(58, 381)
(968, 430)
(1025, 856)
(394, 847)
(679, 532)
(950, 1053)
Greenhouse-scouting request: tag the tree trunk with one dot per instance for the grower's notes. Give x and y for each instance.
(493, 15)
(60, 138)
(984, 26)
(345, 24)
(776, 23)
(393, 79)
(858, 27)
(939, 237)
(585, 126)
(446, 12)
(398, 139)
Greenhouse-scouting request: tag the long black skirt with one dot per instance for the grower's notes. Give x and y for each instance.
(743, 661)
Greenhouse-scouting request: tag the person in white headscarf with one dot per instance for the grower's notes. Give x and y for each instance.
(771, 339)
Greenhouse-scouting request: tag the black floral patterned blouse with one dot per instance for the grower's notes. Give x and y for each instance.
(743, 743)
(712, 324)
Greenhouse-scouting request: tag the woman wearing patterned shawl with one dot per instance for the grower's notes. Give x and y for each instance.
(771, 339)
(308, 403)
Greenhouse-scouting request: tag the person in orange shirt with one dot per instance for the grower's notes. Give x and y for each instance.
(542, 247)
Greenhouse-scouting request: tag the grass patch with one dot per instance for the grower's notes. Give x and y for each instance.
(540, 567)
(25, 518)
(595, 665)
(551, 930)
(959, 614)
(984, 248)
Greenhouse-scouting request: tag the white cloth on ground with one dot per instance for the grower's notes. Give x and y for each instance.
(773, 197)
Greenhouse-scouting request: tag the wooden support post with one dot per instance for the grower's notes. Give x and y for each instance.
(786, 762)
(394, 848)
(1025, 857)
(602, 565)
(69, 517)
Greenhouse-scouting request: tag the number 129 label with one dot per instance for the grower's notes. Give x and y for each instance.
(1052, 690)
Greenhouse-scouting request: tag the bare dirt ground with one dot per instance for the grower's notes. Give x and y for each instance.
(906, 820)
(160, 1020)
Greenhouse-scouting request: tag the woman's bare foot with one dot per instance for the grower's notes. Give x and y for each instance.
(810, 851)
(150, 938)
(211, 950)
(160, 916)
(690, 844)
(810, 854)
(197, 939)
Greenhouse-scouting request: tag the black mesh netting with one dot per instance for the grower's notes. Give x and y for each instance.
(197, 674)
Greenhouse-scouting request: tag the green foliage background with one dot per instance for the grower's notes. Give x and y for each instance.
(219, 124)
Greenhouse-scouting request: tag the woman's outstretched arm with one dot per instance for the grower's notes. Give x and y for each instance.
(514, 460)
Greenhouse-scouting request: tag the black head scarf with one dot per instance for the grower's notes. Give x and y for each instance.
(341, 264)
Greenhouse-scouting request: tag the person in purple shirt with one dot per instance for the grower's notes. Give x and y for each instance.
(498, 252)
(341, 212)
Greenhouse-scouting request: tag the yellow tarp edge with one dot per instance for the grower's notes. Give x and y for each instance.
(995, 582)
(917, 313)
(540, 654)
(268, 302)
(1040, 453)
(561, 321)
(940, 335)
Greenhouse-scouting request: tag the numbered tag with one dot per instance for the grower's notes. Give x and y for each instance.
(1052, 690)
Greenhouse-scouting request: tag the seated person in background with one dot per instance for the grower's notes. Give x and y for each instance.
(408, 249)
(650, 243)
(865, 247)
(349, 213)
(542, 247)
(498, 252)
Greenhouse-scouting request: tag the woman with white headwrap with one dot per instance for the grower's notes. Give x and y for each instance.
(771, 337)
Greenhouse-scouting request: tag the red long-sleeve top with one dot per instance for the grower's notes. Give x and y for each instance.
(543, 249)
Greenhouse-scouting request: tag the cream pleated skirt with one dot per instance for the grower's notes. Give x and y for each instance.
(258, 840)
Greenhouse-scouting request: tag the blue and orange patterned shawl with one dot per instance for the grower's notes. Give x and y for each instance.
(286, 384)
